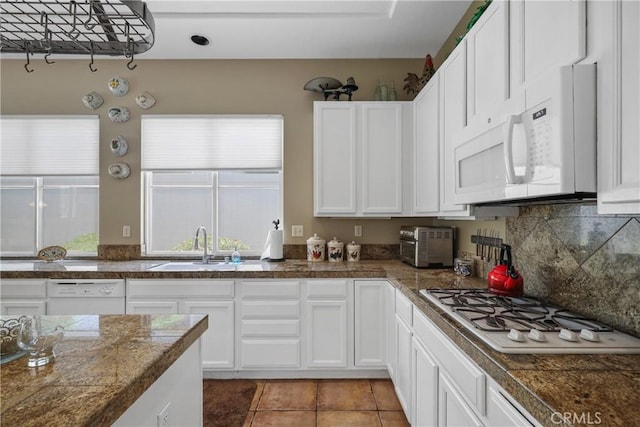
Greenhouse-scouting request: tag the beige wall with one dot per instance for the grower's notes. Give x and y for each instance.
(202, 87)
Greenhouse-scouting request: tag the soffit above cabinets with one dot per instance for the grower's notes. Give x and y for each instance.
(299, 29)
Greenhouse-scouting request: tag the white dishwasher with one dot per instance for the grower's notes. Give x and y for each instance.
(90, 296)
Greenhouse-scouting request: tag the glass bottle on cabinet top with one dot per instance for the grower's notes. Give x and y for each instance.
(376, 92)
(393, 95)
(384, 92)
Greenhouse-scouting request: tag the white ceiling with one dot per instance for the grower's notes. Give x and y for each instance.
(302, 29)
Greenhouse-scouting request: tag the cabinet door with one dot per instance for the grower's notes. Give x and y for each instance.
(545, 35)
(488, 62)
(381, 135)
(218, 340)
(370, 323)
(426, 199)
(502, 413)
(390, 320)
(17, 307)
(618, 112)
(334, 158)
(453, 117)
(402, 381)
(424, 397)
(152, 307)
(326, 334)
(452, 409)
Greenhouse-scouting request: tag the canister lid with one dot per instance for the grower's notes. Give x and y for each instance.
(335, 242)
(353, 244)
(315, 240)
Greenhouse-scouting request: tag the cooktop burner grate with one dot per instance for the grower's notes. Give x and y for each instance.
(489, 312)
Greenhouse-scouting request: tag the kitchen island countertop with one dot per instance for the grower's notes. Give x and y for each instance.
(563, 389)
(103, 365)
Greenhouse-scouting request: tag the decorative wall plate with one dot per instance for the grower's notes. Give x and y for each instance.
(119, 146)
(52, 253)
(119, 170)
(145, 100)
(118, 114)
(118, 86)
(92, 100)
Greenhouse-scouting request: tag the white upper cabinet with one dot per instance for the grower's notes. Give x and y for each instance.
(381, 126)
(334, 158)
(543, 35)
(426, 150)
(488, 62)
(619, 109)
(358, 157)
(453, 117)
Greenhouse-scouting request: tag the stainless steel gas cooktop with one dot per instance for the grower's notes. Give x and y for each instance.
(526, 325)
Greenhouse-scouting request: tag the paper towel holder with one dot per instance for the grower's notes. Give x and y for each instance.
(273, 251)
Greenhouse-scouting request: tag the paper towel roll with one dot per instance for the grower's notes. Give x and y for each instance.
(273, 246)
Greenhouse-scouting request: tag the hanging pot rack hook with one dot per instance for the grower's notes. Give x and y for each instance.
(129, 66)
(91, 67)
(46, 42)
(73, 33)
(27, 48)
(87, 22)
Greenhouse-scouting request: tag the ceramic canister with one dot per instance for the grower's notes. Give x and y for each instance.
(335, 249)
(353, 252)
(315, 248)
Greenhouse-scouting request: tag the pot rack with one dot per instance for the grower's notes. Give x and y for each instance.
(87, 27)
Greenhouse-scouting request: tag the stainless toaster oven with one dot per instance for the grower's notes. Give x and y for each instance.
(426, 246)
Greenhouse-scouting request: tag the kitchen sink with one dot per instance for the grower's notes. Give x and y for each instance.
(212, 266)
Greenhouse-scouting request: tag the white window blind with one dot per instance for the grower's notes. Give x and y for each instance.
(49, 145)
(212, 142)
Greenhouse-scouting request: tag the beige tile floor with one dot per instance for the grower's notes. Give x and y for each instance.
(325, 403)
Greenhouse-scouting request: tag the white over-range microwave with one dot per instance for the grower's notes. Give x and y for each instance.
(541, 143)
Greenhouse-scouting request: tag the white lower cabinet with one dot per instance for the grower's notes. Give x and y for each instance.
(192, 296)
(370, 322)
(326, 317)
(424, 392)
(447, 388)
(23, 296)
(452, 409)
(403, 335)
(269, 324)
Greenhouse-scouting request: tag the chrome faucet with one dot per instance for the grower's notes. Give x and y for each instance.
(205, 256)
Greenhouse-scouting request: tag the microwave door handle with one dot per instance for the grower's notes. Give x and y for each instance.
(512, 120)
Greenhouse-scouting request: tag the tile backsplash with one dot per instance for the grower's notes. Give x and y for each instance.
(570, 256)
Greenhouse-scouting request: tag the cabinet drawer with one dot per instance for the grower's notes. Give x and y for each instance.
(270, 309)
(270, 290)
(468, 378)
(404, 308)
(270, 354)
(327, 289)
(166, 288)
(23, 288)
(258, 328)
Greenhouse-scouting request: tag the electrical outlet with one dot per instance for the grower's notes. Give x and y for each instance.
(163, 416)
(297, 231)
(126, 231)
(357, 230)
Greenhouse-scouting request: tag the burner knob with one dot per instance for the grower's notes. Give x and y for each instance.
(536, 335)
(589, 335)
(515, 335)
(567, 335)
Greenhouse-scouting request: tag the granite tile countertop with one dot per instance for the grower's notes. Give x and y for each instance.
(103, 364)
(589, 389)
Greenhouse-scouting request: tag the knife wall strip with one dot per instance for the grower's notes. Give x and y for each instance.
(98, 27)
(486, 241)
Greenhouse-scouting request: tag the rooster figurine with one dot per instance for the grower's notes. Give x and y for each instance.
(415, 83)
